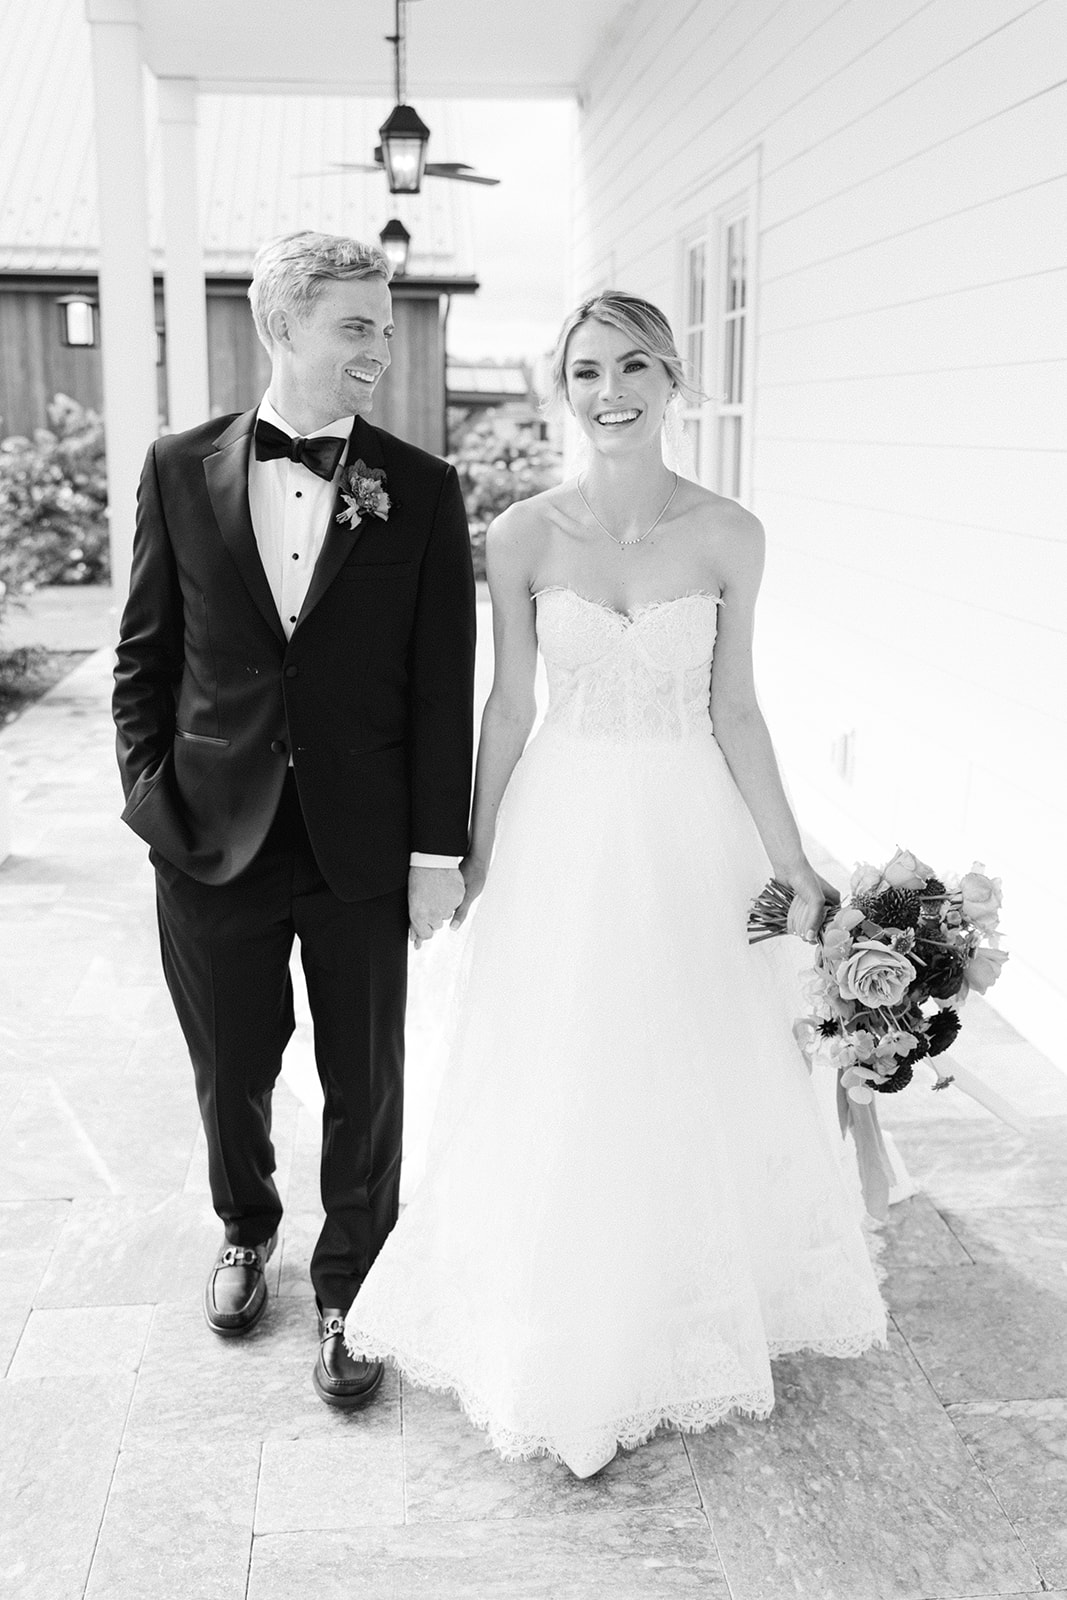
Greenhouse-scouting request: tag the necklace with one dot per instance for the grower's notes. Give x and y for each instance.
(622, 543)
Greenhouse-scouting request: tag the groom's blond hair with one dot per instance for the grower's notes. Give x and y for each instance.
(288, 273)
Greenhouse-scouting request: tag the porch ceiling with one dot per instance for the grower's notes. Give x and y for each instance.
(501, 49)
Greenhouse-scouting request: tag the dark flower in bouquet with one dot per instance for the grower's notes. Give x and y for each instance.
(943, 972)
(941, 1030)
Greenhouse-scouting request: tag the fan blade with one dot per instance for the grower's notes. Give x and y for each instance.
(357, 166)
(450, 169)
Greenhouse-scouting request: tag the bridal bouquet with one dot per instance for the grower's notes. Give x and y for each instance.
(893, 963)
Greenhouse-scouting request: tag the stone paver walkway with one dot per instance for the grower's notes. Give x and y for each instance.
(143, 1459)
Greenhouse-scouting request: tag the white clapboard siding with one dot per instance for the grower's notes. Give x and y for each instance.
(1025, 494)
(953, 68)
(1021, 147)
(908, 431)
(922, 635)
(985, 408)
(985, 243)
(993, 325)
(908, 101)
(936, 558)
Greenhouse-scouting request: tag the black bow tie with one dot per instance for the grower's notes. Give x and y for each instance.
(321, 456)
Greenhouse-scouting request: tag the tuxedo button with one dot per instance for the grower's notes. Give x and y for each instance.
(292, 672)
(279, 747)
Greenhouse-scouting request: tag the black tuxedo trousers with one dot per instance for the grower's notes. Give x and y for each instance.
(226, 951)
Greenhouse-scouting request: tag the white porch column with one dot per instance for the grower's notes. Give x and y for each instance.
(183, 273)
(127, 312)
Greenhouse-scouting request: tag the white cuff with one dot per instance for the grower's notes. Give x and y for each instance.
(419, 859)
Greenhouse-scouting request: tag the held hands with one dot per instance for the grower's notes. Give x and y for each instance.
(433, 895)
(474, 875)
(811, 895)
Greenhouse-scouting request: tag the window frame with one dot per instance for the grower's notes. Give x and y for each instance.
(705, 214)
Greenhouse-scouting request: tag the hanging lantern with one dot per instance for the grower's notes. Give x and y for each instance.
(396, 242)
(404, 138)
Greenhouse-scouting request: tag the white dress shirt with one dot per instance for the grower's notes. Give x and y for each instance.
(291, 507)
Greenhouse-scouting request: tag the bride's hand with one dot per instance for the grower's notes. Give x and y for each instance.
(474, 875)
(811, 895)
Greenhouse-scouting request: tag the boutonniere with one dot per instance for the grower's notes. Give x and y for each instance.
(362, 489)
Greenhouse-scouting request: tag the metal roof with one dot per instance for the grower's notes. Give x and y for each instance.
(255, 154)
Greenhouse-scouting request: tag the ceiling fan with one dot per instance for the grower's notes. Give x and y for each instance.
(402, 152)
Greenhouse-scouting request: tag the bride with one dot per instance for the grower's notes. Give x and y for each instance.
(632, 1201)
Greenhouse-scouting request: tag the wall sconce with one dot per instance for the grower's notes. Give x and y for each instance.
(77, 321)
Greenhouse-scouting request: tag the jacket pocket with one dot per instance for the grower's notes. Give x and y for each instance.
(199, 738)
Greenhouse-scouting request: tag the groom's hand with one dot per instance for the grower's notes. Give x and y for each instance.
(433, 895)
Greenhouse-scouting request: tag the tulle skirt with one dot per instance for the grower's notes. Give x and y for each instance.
(631, 1199)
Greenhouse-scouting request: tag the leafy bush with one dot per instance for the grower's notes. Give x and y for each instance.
(53, 503)
(499, 461)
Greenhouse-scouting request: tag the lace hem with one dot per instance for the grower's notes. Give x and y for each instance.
(627, 1432)
(846, 1346)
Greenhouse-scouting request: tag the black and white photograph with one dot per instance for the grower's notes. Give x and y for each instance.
(533, 744)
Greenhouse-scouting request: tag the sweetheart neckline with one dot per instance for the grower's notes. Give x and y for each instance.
(635, 612)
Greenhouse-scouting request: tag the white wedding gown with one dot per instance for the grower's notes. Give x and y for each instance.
(631, 1200)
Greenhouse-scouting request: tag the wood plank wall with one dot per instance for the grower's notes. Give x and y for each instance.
(910, 388)
(410, 399)
(238, 365)
(35, 365)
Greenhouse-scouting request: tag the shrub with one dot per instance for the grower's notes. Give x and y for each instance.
(499, 461)
(53, 503)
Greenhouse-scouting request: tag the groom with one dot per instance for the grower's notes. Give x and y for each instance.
(293, 704)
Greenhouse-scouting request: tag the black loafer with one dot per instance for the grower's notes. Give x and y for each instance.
(339, 1378)
(235, 1296)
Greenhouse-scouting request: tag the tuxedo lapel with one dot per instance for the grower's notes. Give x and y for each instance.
(227, 485)
(340, 539)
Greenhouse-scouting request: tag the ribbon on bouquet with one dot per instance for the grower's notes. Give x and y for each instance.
(872, 1157)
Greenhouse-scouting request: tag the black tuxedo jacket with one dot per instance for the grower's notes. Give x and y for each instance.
(372, 695)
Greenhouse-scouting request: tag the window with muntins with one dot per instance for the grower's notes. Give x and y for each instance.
(733, 399)
(694, 346)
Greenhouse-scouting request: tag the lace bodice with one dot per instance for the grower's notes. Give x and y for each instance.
(634, 677)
